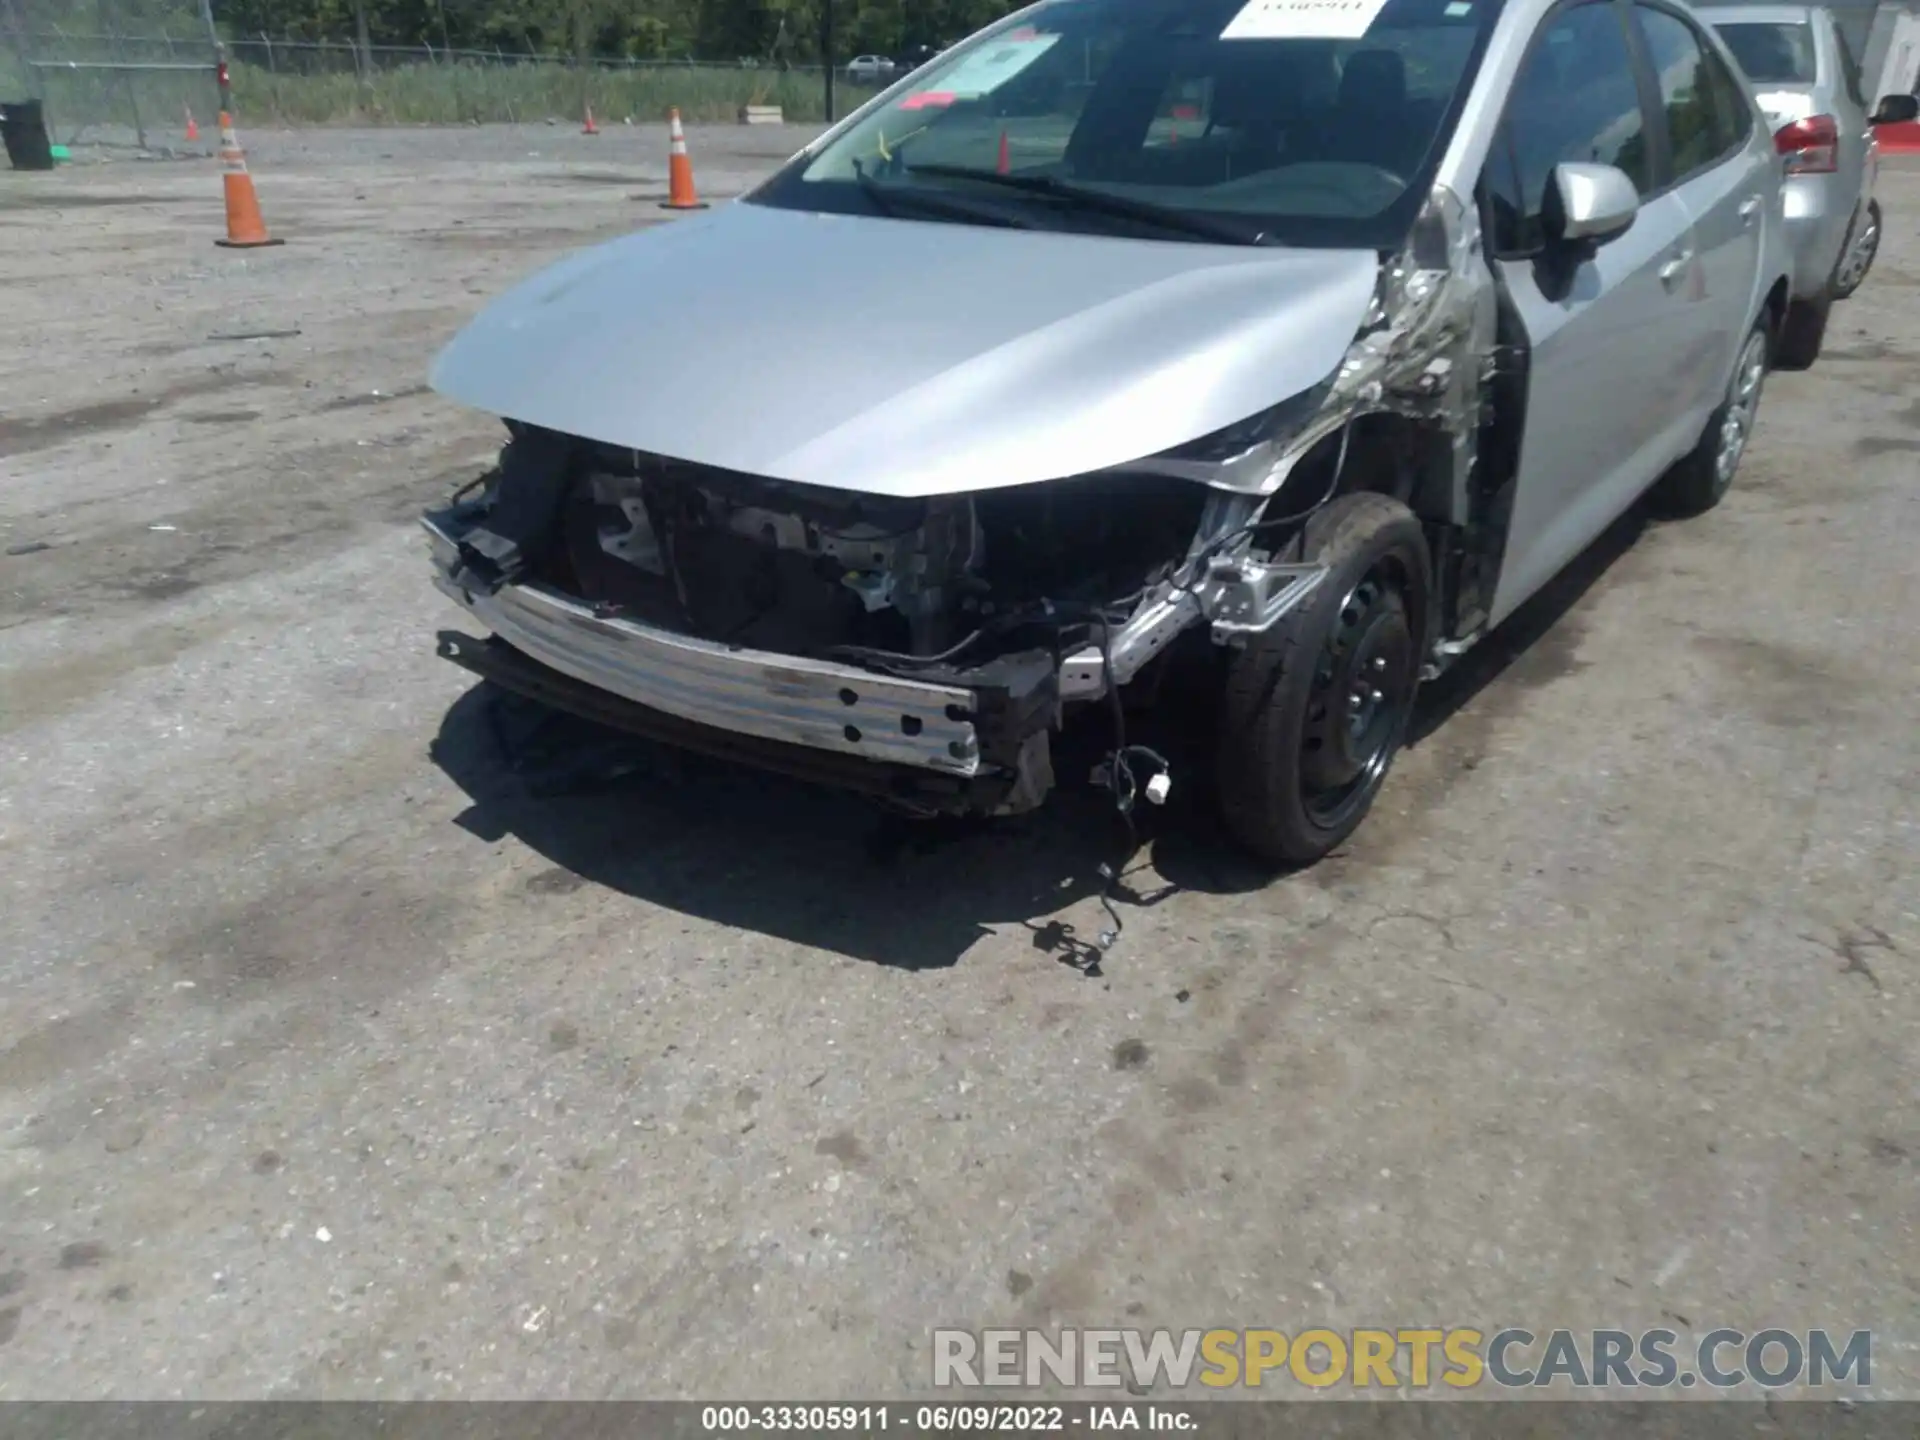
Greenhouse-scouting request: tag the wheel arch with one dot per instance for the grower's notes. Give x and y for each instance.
(1377, 452)
(1380, 452)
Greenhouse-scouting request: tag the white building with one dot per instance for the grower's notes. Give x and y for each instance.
(1885, 34)
(1892, 51)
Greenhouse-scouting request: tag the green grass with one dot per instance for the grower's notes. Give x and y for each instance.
(451, 94)
(426, 94)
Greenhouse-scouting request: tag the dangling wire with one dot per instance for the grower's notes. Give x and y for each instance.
(1254, 527)
(1120, 779)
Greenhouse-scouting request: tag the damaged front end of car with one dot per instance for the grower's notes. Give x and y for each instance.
(926, 650)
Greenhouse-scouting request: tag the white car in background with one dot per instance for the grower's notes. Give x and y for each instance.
(1808, 84)
(870, 69)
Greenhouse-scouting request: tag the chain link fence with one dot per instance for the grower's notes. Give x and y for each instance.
(95, 83)
(111, 89)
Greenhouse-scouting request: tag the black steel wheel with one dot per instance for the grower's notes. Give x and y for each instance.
(1317, 708)
(1360, 700)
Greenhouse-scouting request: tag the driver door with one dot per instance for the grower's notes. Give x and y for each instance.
(1607, 333)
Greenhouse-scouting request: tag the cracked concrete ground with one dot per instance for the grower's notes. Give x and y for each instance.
(339, 1059)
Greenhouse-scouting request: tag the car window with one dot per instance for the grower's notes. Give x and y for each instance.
(1576, 99)
(1771, 54)
(1733, 110)
(1697, 125)
(1271, 114)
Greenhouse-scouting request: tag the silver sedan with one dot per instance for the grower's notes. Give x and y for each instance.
(1260, 353)
(1808, 84)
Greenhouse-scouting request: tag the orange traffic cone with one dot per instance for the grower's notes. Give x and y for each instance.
(245, 228)
(193, 130)
(589, 128)
(1001, 166)
(680, 191)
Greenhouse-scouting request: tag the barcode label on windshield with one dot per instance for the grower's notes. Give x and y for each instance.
(1303, 20)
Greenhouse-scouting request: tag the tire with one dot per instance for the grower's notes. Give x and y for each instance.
(1298, 769)
(1803, 332)
(1698, 482)
(1856, 259)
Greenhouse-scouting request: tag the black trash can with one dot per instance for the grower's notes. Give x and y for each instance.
(24, 129)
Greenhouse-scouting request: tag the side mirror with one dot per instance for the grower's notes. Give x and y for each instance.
(1589, 204)
(1897, 110)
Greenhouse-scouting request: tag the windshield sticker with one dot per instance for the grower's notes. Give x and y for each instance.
(1303, 20)
(987, 69)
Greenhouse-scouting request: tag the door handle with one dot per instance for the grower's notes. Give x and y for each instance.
(1749, 209)
(1675, 269)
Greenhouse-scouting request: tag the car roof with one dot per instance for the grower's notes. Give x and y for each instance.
(1757, 14)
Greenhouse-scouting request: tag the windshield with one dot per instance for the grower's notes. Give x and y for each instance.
(1299, 122)
(1771, 54)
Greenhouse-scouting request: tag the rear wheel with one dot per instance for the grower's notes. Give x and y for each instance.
(1802, 332)
(1697, 483)
(1317, 708)
(1862, 246)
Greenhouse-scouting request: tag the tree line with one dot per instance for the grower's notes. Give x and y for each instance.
(766, 31)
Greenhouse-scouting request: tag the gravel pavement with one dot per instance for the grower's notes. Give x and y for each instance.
(339, 1059)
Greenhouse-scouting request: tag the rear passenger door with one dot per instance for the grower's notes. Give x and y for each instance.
(1606, 337)
(1708, 159)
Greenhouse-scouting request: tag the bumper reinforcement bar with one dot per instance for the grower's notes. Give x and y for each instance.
(906, 785)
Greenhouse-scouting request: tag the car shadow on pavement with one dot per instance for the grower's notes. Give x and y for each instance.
(761, 852)
(1534, 645)
(818, 868)
(1535, 642)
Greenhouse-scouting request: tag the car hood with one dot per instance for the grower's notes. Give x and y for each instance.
(903, 357)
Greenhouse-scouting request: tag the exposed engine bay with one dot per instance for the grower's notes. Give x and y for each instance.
(951, 580)
(772, 609)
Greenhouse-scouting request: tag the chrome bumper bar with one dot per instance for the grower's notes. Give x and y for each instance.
(836, 708)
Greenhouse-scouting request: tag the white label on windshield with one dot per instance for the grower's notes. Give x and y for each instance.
(990, 67)
(1303, 20)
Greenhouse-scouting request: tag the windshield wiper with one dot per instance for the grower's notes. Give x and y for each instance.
(1105, 203)
(887, 199)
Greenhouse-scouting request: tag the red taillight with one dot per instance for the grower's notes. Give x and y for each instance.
(1812, 146)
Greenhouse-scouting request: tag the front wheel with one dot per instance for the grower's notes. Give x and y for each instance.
(1317, 708)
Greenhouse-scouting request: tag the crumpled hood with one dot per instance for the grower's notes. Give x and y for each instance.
(901, 357)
